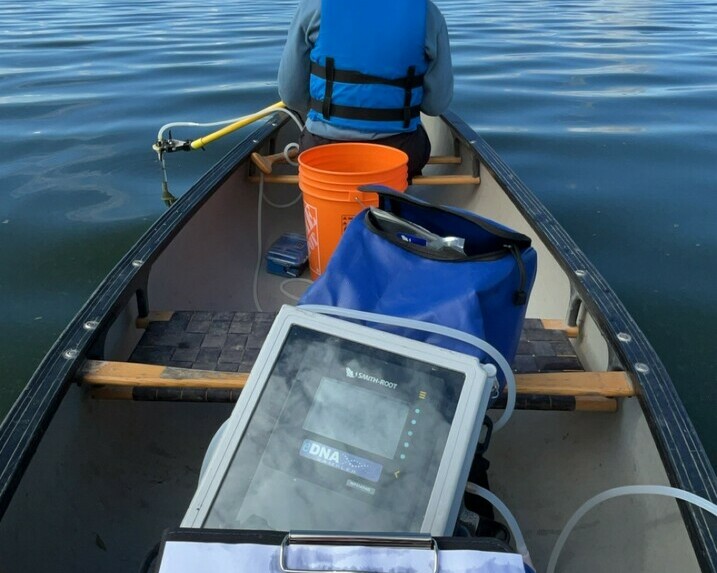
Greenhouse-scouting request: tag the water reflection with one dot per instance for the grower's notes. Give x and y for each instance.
(602, 96)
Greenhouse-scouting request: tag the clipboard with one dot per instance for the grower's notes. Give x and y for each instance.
(185, 550)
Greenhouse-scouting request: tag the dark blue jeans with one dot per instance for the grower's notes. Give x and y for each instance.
(415, 144)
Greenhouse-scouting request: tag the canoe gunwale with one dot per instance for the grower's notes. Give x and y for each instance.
(32, 412)
(682, 453)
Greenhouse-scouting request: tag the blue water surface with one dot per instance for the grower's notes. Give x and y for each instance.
(605, 108)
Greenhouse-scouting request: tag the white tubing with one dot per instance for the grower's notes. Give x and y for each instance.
(167, 126)
(291, 114)
(264, 199)
(495, 501)
(286, 293)
(255, 282)
(286, 153)
(294, 201)
(437, 329)
(662, 490)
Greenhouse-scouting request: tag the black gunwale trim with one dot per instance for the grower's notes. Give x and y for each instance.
(681, 450)
(33, 410)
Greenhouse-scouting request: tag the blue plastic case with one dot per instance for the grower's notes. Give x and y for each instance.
(288, 255)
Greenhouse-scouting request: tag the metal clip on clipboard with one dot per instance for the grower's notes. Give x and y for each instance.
(405, 541)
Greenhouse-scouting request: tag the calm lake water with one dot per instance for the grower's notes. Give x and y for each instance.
(606, 109)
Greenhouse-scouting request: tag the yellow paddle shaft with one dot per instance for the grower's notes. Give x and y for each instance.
(202, 141)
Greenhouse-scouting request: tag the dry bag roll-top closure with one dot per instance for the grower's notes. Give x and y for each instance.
(445, 265)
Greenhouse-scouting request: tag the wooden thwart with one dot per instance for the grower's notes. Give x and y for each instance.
(446, 180)
(595, 404)
(556, 324)
(266, 163)
(154, 316)
(605, 384)
(445, 160)
(419, 180)
(129, 374)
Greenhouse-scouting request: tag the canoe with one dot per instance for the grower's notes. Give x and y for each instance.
(103, 448)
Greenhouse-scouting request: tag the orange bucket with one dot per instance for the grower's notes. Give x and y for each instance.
(329, 178)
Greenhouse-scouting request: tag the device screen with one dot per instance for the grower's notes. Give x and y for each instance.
(357, 417)
(345, 436)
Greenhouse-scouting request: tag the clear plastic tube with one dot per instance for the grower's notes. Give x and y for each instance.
(167, 126)
(495, 501)
(437, 329)
(255, 282)
(286, 293)
(290, 146)
(662, 490)
(263, 199)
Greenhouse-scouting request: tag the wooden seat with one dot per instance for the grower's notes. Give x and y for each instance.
(605, 384)
(265, 164)
(107, 373)
(598, 386)
(205, 355)
(419, 180)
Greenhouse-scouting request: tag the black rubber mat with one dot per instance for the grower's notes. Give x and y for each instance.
(230, 342)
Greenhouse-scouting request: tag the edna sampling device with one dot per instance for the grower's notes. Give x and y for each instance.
(342, 427)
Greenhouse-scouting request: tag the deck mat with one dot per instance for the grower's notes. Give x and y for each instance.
(230, 342)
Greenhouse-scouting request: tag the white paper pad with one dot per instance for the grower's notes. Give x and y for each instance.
(191, 557)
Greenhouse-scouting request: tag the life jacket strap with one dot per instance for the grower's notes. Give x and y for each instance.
(407, 96)
(330, 79)
(368, 114)
(331, 75)
(351, 77)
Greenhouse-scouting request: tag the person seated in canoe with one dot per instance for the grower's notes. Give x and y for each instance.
(363, 71)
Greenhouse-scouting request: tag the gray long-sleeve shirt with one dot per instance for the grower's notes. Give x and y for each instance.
(295, 69)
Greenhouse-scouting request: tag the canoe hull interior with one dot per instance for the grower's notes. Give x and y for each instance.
(74, 508)
(97, 500)
(110, 475)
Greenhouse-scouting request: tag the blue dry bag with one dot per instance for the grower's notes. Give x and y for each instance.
(436, 264)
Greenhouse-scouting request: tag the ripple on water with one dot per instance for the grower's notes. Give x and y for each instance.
(605, 109)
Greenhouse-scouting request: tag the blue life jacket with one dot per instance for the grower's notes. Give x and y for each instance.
(368, 63)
